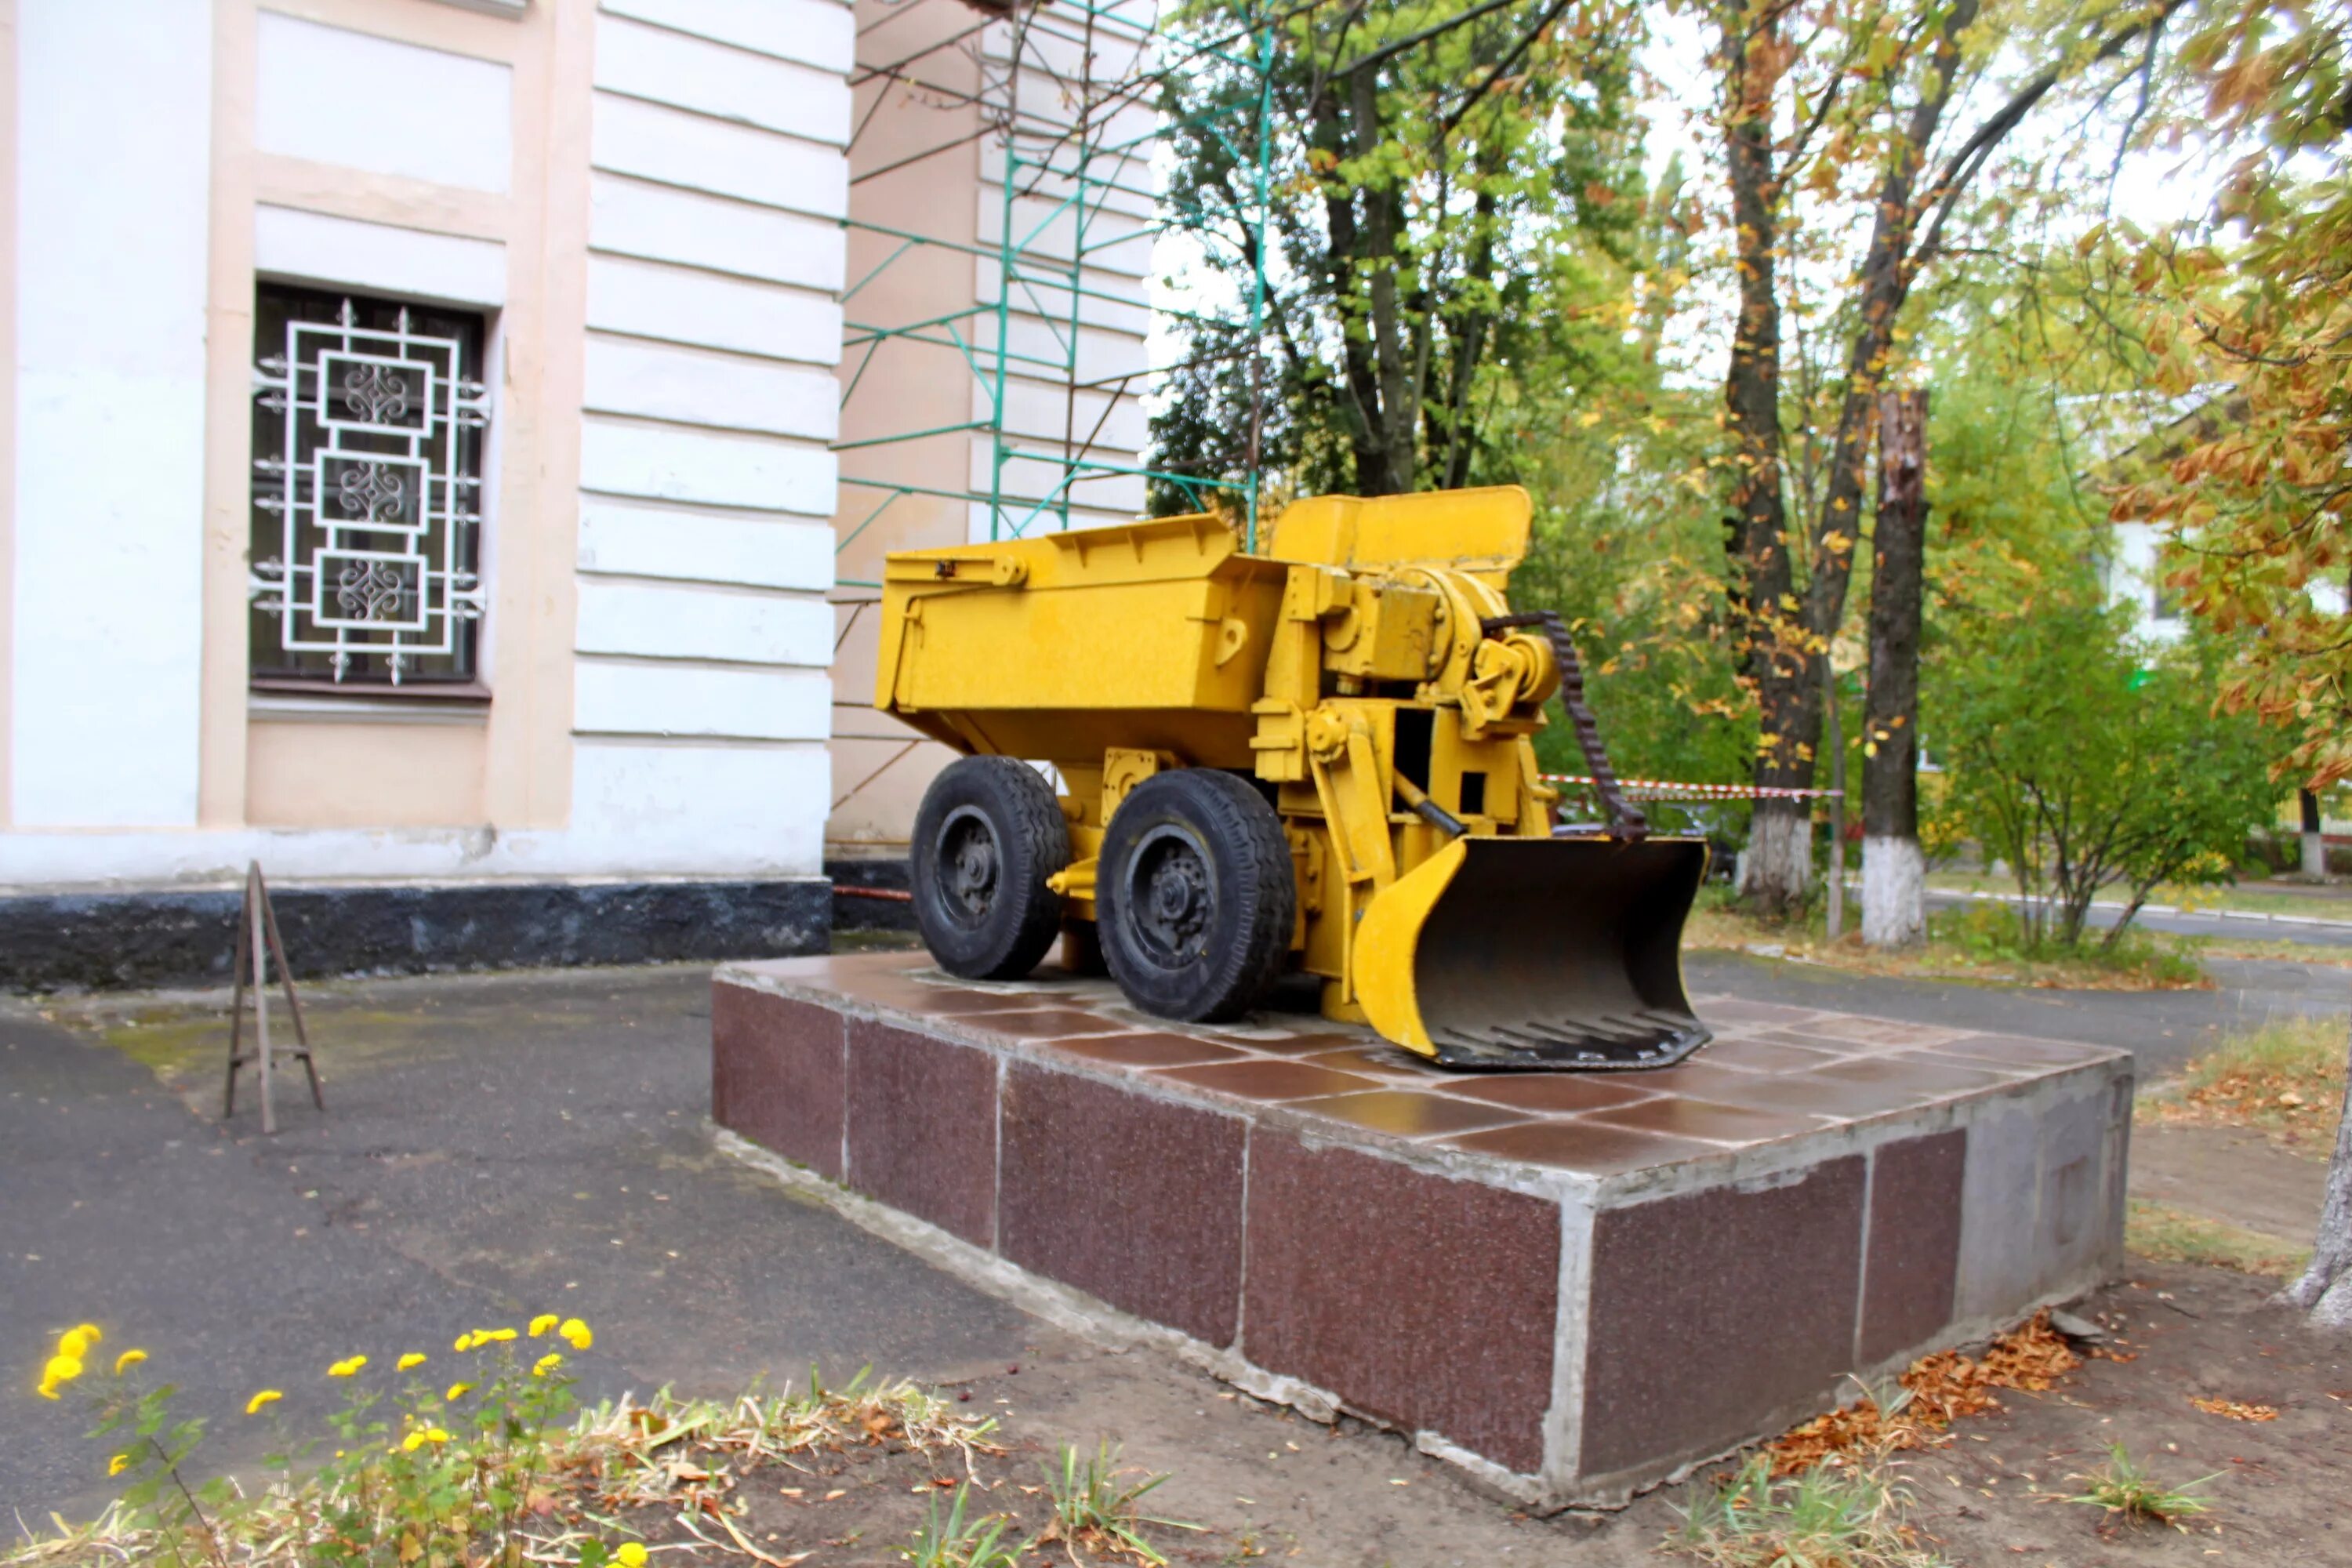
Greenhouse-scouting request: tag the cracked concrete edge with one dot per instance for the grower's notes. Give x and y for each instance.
(1075, 1312)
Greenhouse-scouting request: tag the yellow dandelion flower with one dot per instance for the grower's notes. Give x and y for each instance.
(414, 1358)
(577, 1332)
(541, 1323)
(347, 1366)
(90, 1332)
(547, 1364)
(456, 1392)
(117, 1465)
(631, 1554)
(75, 1343)
(47, 1390)
(417, 1440)
(128, 1360)
(266, 1396)
(61, 1368)
(484, 1336)
(463, 1342)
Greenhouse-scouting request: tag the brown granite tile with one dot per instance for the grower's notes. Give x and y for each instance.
(1581, 1145)
(1551, 1091)
(1766, 1055)
(1913, 1254)
(922, 1127)
(1699, 1078)
(1731, 1010)
(1810, 1042)
(1428, 1303)
(1812, 1094)
(1407, 1112)
(776, 1074)
(1678, 1118)
(1059, 1024)
(1149, 1050)
(1926, 1081)
(1272, 1081)
(1300, 1045)
(2023, 1050)
(942, 1002)
(1968, 1064)
(1131, 1198)
(1387, 1061)
(1713, 1308)
(1877, 1034)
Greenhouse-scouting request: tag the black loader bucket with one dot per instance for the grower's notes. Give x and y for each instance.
(1531, 952)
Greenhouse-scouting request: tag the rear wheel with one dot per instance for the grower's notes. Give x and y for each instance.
(1195, 895)
(987, 836)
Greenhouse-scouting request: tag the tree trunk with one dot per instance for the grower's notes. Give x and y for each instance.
(2315, 840)
(1894, 871)
(1836, 800)
(2325, 1291)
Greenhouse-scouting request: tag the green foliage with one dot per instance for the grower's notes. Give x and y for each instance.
(1453, 227)
(955, 1542)
(1093, 1507)
(421, 1472)
(1833, 1515)
(2086, 762)
(2126, 1491)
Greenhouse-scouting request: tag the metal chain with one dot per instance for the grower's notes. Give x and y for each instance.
(1626, 823)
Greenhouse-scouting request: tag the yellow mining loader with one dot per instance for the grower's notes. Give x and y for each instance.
(1318, 757)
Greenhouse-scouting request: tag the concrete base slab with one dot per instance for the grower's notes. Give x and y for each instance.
(1571, 1285)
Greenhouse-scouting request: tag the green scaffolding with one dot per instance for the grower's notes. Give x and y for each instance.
(1080, 169)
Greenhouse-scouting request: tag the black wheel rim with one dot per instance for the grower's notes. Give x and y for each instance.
(967, 866)
(1170, 896)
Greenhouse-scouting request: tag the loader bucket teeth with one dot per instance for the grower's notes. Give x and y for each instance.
(1526, 952)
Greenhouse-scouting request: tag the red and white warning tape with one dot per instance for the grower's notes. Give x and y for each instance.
(1673, 789)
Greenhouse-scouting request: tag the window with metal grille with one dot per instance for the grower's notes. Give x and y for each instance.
(369, 422)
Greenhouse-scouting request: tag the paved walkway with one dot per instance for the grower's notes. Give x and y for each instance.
(494, 1145)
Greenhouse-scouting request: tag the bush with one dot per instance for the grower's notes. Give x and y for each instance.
(2085, 762)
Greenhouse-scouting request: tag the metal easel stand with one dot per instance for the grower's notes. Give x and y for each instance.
(257, 943)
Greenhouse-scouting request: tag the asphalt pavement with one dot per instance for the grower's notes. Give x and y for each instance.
(498, 1145)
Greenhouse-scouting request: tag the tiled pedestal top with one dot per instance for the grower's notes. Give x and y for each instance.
(1570, 1283)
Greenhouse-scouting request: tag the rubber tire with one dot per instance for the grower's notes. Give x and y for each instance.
(1016, 927)
(1252, 896)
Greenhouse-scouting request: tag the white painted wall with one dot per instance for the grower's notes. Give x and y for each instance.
(701, 696)
(296, 247)
(114, 133)
(333, 95)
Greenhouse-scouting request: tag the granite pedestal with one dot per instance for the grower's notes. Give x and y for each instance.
(1572, 1286)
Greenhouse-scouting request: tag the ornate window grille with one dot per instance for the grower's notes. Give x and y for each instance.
(369, 423)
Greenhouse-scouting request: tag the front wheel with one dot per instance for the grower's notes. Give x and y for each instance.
(1195, 895)
(987, 836)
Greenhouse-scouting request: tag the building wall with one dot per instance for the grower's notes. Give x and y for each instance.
(643, 196)
(923, 164)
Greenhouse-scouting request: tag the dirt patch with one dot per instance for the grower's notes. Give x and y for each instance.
(2232, 1174)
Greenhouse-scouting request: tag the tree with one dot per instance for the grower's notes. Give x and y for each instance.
(1464, 181)
(1894, 871)
(2088, 762)
(1832, 118)
(2261, 499)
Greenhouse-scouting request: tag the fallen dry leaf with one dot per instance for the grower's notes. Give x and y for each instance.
(2234, 1410)
(1943, 1388)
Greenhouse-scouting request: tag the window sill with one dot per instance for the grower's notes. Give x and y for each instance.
(295, 705)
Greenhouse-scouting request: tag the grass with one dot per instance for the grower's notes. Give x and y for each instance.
(2165, 1235)
(1846, 1513)
(2284, 1080)
(955, 1542)
(2131, 1495)
(1977, 942)
(1096, 1508)
(2254, 897)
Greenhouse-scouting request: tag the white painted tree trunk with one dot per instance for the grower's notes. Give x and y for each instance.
(2314, 855)
(2325, 1291)
(1779, 863)
(1894, 892)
